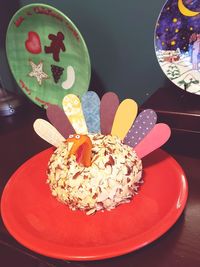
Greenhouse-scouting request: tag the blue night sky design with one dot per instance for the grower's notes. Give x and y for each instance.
(173, 29)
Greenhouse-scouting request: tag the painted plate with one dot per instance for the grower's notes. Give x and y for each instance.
(47, 54)
(177, 43)
(41, 223)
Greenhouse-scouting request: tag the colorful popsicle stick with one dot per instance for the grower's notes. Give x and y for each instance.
(108, 107)
(59, 120)
(91, 110)
(124, 118)
(143, 124)
(73, 109)
(155, 139)
(48, 132)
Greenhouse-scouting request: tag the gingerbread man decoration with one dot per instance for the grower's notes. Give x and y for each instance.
(56, 45)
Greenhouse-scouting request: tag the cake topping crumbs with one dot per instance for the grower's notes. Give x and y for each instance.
(112, 179)
(110, 162)
(76, 175)
(129, 170)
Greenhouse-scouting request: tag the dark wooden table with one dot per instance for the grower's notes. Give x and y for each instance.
(180, 246)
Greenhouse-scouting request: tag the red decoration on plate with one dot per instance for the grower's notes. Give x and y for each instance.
(33, 44)
(41, 223)
(57, 72)
(56, 45)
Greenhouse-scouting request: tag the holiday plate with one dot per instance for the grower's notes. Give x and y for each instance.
(177, 43)
(47, 54)
(43, 224)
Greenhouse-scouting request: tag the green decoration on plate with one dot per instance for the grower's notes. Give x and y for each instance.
(47, 55)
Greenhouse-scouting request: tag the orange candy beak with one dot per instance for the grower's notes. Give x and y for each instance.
(81, 148)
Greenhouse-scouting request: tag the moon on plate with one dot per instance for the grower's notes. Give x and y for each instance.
(185, 11)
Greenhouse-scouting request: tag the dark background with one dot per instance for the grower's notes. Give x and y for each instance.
(119, 36)
(120, 39)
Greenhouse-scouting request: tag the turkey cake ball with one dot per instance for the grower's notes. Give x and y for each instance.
(94, 172)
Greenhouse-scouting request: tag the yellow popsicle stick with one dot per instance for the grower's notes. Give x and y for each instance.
(73, 109)
(124, 118)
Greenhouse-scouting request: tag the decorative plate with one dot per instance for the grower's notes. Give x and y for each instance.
(41, 223)
(177, 43)
(47, 54)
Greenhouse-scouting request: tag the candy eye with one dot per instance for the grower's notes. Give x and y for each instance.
(71, 136)
(77, 136)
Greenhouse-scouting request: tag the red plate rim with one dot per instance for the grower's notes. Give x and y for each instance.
(100, 252)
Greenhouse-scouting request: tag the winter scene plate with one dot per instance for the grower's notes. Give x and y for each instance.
(47, 54)
(177, 43)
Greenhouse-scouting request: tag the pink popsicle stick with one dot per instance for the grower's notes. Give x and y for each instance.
(59, 120)
(155, 139)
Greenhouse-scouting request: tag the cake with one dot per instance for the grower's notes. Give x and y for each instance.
(111, 178)
(98, 171)
(99, 166)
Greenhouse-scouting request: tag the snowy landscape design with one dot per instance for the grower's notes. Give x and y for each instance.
(177, 44)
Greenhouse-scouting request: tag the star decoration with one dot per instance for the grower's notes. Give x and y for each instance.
(37, 71)
(175, 29)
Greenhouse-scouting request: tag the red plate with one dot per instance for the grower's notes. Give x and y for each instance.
(38, 221)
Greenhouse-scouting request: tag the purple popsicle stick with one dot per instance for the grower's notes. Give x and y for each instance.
(108, 107)
(143, 124)
(59, 120)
